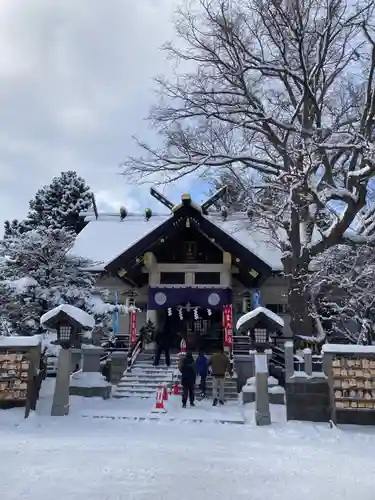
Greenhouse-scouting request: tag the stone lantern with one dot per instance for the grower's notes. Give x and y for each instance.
(261, 324)
(263, 327)
(69, 322)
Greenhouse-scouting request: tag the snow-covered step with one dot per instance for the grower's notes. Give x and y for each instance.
(144, 378)
(120, 395)
(130, 383)
(140, 389)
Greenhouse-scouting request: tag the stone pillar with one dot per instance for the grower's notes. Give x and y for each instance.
(91, 359)
(289, 360)
(252, 357)
(60, 405)
(307, 355)
(118, 366)
(262, 404)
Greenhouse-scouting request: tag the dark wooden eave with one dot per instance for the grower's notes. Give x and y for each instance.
(244, 259)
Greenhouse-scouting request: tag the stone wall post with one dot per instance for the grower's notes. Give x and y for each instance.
(91, 359)
(262, 403)
(307, 354)
(118, 366)
(289, 360)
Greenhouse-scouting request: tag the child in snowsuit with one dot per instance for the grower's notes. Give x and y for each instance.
(188, 377)
(202, 371)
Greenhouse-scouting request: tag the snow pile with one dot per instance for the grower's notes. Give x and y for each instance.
(96, 305)
(81, 317)
(21, 285)
(19, 341)
(348, 349)
(271, 381)
(88, 379)
(277, 389)
(52, 349)
(256, 312)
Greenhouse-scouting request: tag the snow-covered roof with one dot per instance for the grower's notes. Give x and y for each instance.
(19, 341)
(107, 237)
(257, 312)
(81, 317)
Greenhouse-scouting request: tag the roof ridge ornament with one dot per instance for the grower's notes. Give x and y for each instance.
(187, 201)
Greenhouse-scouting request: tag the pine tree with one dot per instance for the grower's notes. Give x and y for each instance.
(57, 205)
(39, 272)
(14, 227)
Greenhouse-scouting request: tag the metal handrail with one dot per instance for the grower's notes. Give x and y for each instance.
(134, 353)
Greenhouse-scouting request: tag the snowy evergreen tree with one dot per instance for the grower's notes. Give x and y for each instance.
(14, 227)
(57, 205)
(39, 273)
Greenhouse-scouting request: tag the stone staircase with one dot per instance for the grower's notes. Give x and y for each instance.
(145, 378)
(230, 389)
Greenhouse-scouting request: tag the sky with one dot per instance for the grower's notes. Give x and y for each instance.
(76, 83)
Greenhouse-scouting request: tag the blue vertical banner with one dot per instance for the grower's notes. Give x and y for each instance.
(115, 315)
(255, 298)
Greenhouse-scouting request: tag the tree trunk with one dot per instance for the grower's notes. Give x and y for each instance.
(299, 299)
(301, 321)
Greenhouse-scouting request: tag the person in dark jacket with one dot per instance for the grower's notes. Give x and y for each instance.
(202, 371)
(188, 376)
(163, 345)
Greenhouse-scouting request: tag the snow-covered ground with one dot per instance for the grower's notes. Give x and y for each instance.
(73, 458)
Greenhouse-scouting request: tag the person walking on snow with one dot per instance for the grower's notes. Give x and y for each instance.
(220, 365)
(188, 377)
(202, 371)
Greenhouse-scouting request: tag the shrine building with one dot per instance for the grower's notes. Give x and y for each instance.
(184, 266)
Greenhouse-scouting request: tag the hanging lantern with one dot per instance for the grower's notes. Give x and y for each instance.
(209, 312)
(180, 314)
(148, 213)
(123, 213)
(196, 315)
(169, 311)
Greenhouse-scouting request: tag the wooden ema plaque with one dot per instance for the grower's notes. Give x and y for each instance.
(14, 378)
(353, 389)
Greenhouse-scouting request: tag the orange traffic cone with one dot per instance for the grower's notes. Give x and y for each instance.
(165, 392)
(159, 406)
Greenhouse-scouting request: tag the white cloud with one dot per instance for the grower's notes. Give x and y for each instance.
(75, 85)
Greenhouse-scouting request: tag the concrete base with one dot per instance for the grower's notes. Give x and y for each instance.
(307, 399)
(277, 399)
(248, 396)
(91, 392)
(262, 418)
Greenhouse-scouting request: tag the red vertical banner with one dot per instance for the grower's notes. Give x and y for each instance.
(133, 327)
(228, 326)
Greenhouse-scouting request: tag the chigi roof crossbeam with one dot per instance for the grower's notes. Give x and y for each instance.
(186, 200)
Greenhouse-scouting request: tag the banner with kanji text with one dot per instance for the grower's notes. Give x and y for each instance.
(133, 328)
(228, 325)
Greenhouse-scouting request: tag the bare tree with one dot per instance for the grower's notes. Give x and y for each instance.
(343, 291)
(284, 87)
